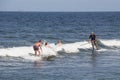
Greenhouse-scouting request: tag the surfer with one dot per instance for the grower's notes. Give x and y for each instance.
(36, 47)
(47, 45)
(59, 43)
(93, 40)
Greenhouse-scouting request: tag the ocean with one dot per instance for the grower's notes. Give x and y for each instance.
(73, 60)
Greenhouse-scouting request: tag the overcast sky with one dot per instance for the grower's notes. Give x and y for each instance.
(60, 5)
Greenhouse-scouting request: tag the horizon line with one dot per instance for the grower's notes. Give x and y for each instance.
(59, 11)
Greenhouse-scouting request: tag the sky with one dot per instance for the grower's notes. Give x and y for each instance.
(60, 5)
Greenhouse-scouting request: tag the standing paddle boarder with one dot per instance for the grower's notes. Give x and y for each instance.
(93, 40)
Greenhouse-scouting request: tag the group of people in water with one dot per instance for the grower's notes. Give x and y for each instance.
(38, 45)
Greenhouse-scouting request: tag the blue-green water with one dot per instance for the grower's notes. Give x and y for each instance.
(20, 30)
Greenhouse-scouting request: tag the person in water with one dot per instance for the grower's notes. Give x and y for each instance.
(59, 43)
(93, 40)
(37, 47)
(47, 45)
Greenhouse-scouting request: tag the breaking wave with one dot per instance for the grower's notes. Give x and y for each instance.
(28, 53)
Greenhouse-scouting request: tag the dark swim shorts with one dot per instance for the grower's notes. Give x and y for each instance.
(36, 47)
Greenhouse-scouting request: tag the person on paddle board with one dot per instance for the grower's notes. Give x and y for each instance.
(93, 40)
(37, 47)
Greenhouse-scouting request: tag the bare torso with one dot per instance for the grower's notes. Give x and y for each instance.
(38, 44)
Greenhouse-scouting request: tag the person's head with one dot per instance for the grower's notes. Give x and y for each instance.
(46, 43)
(59, 41)
(92, 33)
(40, 41)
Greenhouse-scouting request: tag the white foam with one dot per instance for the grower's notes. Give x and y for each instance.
(74, 47)
(48, 51)
(67, 48)
(102, 50)
(111, 42)
(24, 52)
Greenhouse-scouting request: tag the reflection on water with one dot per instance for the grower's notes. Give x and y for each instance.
(38, 64)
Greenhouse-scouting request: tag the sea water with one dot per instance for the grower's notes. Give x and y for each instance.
(73, 60)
